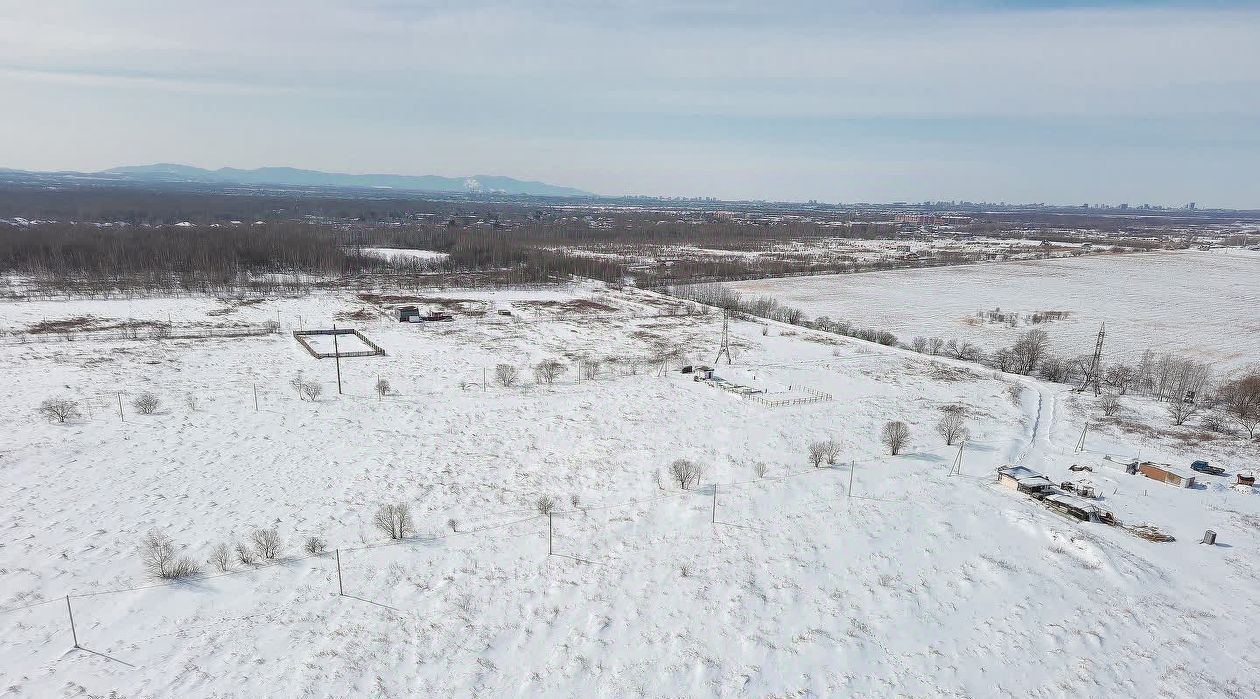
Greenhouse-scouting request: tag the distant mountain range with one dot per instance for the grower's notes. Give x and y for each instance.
(293, 177)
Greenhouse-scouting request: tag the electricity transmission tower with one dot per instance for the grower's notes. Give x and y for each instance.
(725, 349)
(1094, 375)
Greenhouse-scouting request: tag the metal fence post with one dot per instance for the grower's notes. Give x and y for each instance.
(70, 612)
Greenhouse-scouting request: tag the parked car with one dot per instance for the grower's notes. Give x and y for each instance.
(1204, 467)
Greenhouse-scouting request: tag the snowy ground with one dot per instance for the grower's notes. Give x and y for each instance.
(921, 584)
(1206, 304)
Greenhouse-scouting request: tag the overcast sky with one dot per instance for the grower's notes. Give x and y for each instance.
(836, 100)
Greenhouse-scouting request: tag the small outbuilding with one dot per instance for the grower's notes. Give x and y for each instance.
(702, 373)
(1024, 480)
(1166, 473)
(1079, 508)
(408, 314)
(1245, 478)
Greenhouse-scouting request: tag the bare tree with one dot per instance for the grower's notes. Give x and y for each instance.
(895, 436)
(1241, 400)
(1183, 382)
(394, 520)
(685, 472)
(297, 382)
(547, 371)
(934, 345)
(589, 368)
(1120, 377)
(315, 545)
(1028, 350)
(245, 554)
(817, 452)
(382, 388)
(157, 552)
(312, 390)
(453, 524)
(833, 451)
(545, 504)
(266, 543)
(919, 344)
(1109, 403)
(221, 556)
(59, 409)
(953, 424)
(146, 403)
(506, 375)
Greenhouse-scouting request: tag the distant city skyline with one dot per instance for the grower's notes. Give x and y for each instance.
(844, 101)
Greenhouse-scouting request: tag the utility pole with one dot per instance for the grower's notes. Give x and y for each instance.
(120, 415)
(337, 356)
(1080, 443)
(713, 517)
(725, 349)
(550, 529)
(1094, 375)
(852, 468)
(255, 397)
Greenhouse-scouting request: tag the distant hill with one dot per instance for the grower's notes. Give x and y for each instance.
(170, 172)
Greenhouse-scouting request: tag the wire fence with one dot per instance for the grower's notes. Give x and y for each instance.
(491, 530)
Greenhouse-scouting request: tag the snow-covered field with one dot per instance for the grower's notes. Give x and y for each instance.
(1205, 304)
(921, 584)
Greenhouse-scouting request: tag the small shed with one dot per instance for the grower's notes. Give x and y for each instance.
(702, 373)
(1024, 480)
(1245, 478)
(408, 314)
(1166, 473)
(1079, 508)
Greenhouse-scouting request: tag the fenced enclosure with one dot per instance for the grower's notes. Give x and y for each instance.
(304, 338)
(143, 331)
(811, 396)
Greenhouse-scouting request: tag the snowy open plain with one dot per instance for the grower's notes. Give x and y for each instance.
(875, 576)
(1202, 303)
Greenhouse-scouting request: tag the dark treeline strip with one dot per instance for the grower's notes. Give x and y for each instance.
(86, 258)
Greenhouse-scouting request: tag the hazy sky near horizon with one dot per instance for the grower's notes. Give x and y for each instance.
(840, 100)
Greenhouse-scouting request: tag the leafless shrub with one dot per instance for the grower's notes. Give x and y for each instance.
(919, 344)
(191, 402)
(59, 409)
(221, 556)
(1109, 403)
(1215, 421)
(245, 554)
(685, 570)
(157, 552)
(832, 451)
(575, 501)
(297, 382)
(895, 436)
(506, 375)
(817, 452)
(453, 524)
(312, 390)
(545, 504)
(934, 345)
(146, 403)
(314, 545)
(761, 469)
(266, 543)
(685, 473)
(394, 520)
(952, 425)
(382, 388)
(589, 368)
(547, 371)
